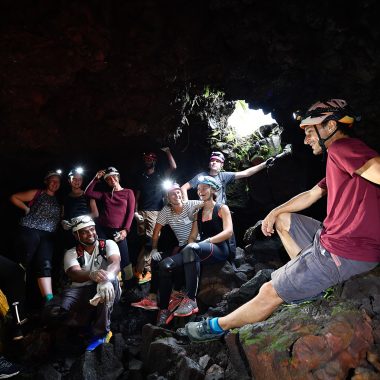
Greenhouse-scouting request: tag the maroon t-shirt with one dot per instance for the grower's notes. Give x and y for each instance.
(118, 206)
(352, 226)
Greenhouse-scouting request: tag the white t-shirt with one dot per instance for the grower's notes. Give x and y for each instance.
(91, 262)
(180, 223)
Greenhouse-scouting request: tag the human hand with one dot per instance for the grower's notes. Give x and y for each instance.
(123, 234)
(267, 226)
(100, 173)
(27, 210)
(156, 256)
(139, 218)
(165, 149)
(193, 245)
(270, 162)
(106, 292)
(66, 225)
(99, 275)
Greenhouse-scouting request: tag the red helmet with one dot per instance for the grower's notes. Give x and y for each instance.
(150, 155)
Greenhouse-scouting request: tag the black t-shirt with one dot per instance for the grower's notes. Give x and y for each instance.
(151, 192)
(76, 206)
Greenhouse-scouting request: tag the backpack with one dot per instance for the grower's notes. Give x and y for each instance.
(80, 251)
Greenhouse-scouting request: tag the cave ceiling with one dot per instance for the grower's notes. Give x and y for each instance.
(111, 76)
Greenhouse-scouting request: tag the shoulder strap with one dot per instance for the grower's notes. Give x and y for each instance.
(102, 248)
(38, 193)
(80, 254)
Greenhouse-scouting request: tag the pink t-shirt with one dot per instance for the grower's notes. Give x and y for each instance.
(352, 226)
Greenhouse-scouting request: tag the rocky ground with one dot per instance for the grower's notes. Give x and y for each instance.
(334, 337)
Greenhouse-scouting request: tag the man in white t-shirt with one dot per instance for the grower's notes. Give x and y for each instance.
(92, 266)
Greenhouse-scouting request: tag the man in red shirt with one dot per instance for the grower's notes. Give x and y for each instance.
(348, 242)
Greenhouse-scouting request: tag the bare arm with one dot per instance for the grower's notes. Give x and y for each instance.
(76, 274)
(172, 163)
(137, 198)
(184, 189)
(21, 199)
(227, 226)
(297, 203)
(156, 235)
(94, 208)
(194, 232)
(371, 170)
(250, 171)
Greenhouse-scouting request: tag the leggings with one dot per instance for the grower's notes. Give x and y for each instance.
(35, 250)
(188, 261)
(108, 233)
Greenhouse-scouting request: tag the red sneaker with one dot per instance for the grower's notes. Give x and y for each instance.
(175, 300)
(187, 307)
(146, 303)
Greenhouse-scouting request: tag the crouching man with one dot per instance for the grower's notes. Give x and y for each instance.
(92, 267)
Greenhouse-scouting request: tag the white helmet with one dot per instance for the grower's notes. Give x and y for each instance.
(80, 222)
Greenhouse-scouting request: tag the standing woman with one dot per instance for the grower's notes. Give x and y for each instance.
(116, 213)
(76, 203)
(214, 226)
(35, 242)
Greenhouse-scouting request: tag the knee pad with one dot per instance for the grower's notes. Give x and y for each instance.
(166, 266)
(45, 270)
(189, 254)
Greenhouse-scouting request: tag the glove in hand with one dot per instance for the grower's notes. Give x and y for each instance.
(156, 256)
(106, 292)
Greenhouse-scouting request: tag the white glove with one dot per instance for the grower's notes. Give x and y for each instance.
(66, 225)
(165, 149)
(106, 292)
(193, 245)
(139, 218)
(156, 256)
(194, 209)
(27, 211)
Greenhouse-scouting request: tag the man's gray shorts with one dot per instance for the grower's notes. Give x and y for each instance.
(314, 269)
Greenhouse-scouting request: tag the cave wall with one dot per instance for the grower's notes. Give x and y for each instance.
(98, 83)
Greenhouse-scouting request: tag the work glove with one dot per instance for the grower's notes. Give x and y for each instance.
(193, 245)
(139, 218)
(155, 255)
(27, 211)
(194, 209)
(106, 292)
(269, 162)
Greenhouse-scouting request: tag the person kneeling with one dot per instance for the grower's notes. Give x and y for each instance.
(92, 266)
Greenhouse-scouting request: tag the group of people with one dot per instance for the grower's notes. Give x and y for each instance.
(95, 224)
(321, 254)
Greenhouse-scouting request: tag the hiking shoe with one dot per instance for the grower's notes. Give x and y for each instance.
(144, 277)
(97, 341)
(164, 317)
(201, 331)
(186, 307)
(8, 369)
(146, 304)
(175, 300)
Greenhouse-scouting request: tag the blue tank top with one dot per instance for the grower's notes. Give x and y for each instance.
(44, 214)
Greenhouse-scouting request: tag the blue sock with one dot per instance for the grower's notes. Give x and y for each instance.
(48, 297)
(214, 325)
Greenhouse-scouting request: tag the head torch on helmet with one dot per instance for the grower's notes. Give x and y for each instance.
(80, 222)
(169, 186)
(78, 170)
(52, 173)
(150, 156)
(111, 171)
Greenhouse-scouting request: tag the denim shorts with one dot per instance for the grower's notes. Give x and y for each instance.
(314, 270)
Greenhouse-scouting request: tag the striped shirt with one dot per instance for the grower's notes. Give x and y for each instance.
(180, 223)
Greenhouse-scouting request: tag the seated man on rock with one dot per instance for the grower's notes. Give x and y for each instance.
(92, 266)
(348, 242)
